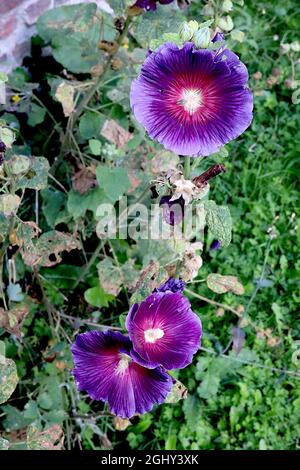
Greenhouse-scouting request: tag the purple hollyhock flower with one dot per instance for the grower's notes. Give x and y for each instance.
(172, 285)
(106, 370)
(192, 101)
(173, 211)
(164, 331)
(150, 5)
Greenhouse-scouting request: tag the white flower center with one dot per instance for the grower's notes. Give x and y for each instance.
(123, 364)
(153, 334)
(191, 100)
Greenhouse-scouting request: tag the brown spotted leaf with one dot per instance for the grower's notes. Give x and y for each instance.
(12, 320)
(152, 276)
(84, 179)
(50, 439)
(177, 393)
(46, 250)
(9, 204)
(110, 276)
(115, 134)
(8, 378)
(221, 284)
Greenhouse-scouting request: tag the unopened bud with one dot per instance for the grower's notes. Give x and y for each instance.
(202, 38)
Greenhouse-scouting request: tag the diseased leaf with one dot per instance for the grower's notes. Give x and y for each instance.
(12, 320)
(7, 136)
(50, 439)
(219, 222)
(45, 251)
(8, 378)
(65, 95)
(37, 176)
(151, 277)
(115, 134)
(110, 276)
(4, 444)
(19, 164)
(178, 392)
(221, 284)
(9, 204)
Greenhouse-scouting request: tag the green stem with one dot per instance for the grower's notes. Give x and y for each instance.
(187, 168)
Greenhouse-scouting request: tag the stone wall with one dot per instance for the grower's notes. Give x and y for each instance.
(17, 20)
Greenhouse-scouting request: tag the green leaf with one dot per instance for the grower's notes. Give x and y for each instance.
(122, 320)
(95, 146)
(97, 297)
(221, 284)
(219, 222)
(3, 78)
(8, 378)
(152, 25)
(80, 25)
(78, 203)
(53, 203)
(36, 115)
(90, 124)
(113, 181)
(209, 386)
(192, 411)
(37, 176)
(120, 6)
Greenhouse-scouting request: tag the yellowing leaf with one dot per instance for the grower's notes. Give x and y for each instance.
(8, 378)
(221, 284)
(65, 95)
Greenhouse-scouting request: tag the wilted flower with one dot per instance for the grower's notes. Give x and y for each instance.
(106, 370)
(150, 5)
(173, 210)
(164, 331)
(192, 101)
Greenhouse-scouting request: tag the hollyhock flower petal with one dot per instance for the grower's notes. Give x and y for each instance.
(192, 101)
(173, 211)
(164, 330)
(105, 369)
(150, 5)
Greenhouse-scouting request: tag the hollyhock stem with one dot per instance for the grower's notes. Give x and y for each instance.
(187, 167)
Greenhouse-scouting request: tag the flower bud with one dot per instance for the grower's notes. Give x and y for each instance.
(185, 32)
(202, 38)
